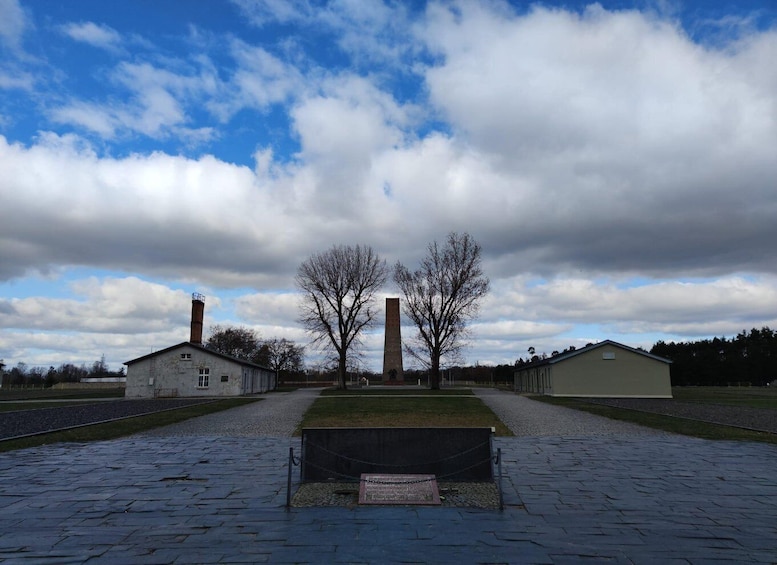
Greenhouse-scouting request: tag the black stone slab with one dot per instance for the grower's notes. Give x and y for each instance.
(451, 454)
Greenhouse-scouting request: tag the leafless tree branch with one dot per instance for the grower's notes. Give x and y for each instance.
(339, 288)
(441, 297)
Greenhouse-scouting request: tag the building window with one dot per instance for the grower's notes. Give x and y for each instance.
(224, 378)
(186, 356)
(204, 379)
(608, 355)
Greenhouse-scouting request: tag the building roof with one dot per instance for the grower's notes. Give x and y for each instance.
(204, 350)
(569, 354)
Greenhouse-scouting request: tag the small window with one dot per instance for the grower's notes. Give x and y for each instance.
(204, 379)
(224, 378)
(186, 356)
(608, 355)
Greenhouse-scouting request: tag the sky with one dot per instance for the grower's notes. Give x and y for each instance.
(616, 161)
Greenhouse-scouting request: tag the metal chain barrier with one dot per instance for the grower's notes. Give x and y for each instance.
(351, 478)
(297, 461)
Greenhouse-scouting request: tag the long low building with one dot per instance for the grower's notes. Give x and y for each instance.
(190, 369)
(605, 369)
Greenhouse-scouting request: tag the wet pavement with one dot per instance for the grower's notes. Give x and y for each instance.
(667, 499)
(612, 498)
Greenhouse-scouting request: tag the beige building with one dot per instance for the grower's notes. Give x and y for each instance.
(605, 369)
(190, 369)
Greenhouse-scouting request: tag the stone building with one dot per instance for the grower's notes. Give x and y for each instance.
(190, 369)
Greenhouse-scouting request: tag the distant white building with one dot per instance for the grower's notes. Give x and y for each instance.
(190, 369)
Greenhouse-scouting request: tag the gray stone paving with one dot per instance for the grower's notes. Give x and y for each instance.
(630, 498)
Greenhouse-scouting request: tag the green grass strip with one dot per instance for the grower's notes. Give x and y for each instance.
(361, 411)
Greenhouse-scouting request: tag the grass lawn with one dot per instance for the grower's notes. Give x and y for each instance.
(448, 409)
(128, 426)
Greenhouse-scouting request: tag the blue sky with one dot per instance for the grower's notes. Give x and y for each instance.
(615, 161)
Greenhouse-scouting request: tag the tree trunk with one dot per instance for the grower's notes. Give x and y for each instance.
(434, 373)
(341, 371)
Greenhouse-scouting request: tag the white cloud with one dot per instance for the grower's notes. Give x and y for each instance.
(93, 117)
(578, 149)
(669, 307)
(118, 306)
(122, 318)
(259, 81)
(367, 32)
(16, 80)
(96, 35)
(188, 218)
(156, 105)
(268, 308)
(626, 144)
(261, 12)
(13, 23)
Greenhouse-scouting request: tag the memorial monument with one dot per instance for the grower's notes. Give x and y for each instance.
(393, 373)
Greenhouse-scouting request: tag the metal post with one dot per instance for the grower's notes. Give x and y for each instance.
(499, 465)
(288, 479)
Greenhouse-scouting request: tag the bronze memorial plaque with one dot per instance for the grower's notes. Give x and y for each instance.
(398, 489)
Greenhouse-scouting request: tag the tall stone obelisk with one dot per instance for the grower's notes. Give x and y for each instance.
(393, 373)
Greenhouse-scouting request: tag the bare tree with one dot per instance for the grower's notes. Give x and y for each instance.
(283, 356)
(236, 341)
(339, 289)
(441, 297)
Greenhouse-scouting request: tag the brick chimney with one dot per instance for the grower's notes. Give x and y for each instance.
(198, 310)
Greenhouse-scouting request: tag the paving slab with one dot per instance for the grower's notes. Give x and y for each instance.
(577, 509)
(636, 498)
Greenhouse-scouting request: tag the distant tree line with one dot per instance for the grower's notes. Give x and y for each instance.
(479, 374)
(747, 359)
(24, 376)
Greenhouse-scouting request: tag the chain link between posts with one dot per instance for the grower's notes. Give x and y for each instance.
(297, 461)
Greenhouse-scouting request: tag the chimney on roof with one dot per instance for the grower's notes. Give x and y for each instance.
(198, 310)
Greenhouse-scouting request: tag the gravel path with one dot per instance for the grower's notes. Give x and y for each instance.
(526, 417)
(276, 415)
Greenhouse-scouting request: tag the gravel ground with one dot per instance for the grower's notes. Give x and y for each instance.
(526, 417)
(25, 422)
(277, 415)
(762, 419)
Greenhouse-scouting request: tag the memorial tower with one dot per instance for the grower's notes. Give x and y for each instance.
(393, 373)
